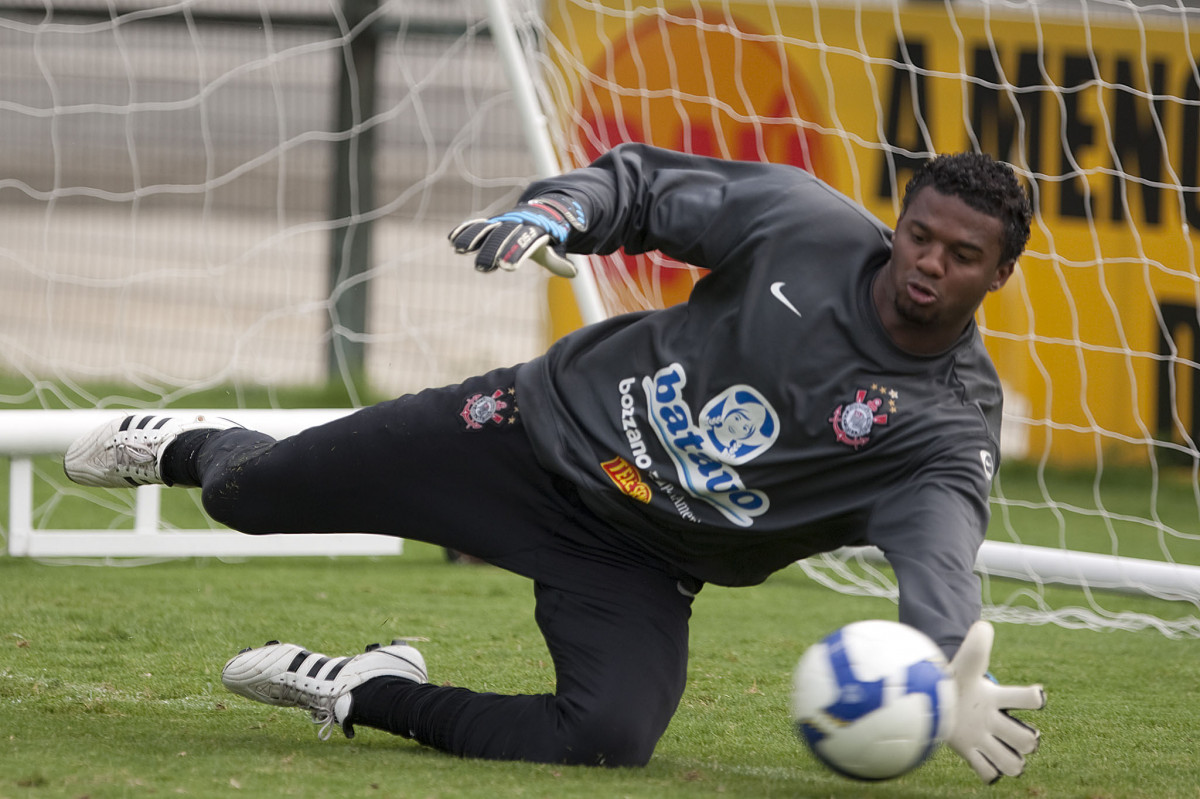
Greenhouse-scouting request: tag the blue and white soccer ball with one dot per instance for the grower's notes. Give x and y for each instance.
(873, 700)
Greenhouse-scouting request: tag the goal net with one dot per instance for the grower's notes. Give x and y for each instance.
(177, 227)
(1097, 106)
(169, 183)
(179, 224)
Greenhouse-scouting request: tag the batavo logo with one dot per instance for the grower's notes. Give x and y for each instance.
(627, 478)
(704, 464)
(702, 81)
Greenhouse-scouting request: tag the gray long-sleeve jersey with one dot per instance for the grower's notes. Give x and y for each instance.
(770, 417)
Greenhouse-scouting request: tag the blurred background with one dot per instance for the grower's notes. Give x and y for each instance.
(178, 208)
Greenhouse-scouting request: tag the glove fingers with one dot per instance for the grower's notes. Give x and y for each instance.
(497, 242)
(522, 243)
(986, 770)
(1019, 697)
(1015, 734)
(468, 236)
(507, 245)
(1007, 761)
(457, 237)
(512, 238)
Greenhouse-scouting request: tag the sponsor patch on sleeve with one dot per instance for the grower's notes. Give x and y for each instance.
(627, 478)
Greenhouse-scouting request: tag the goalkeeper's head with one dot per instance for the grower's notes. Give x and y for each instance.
(987, 185)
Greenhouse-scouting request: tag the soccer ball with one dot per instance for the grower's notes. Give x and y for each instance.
(873, 699)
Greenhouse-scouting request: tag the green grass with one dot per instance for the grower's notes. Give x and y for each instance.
(109, 687)
(1116, 510)
(109, 677)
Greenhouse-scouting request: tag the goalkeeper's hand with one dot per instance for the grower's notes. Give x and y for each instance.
(985, 735)
(534, 230)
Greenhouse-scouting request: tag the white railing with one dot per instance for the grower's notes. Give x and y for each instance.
(25, 435)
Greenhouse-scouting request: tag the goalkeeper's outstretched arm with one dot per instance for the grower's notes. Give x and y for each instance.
(641, 198)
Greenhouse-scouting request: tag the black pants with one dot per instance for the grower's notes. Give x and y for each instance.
(454, 467)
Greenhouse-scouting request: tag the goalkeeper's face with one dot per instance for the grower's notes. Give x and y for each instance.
(945, 260)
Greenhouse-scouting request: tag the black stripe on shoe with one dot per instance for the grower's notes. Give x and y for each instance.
(333, 673)
(298, 661)
(144, 422)
(316, 667)
(164, 420)
(128, 420)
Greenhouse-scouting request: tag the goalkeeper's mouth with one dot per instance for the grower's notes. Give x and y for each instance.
(921, 294)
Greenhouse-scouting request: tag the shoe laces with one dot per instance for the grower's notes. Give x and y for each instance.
(134, 456)
(324, 717)
(319, 706)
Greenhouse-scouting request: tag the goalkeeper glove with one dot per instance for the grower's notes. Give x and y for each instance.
(985, 735)
(535, 230)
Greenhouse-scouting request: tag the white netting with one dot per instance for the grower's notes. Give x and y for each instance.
(167, 180)
(175, 227)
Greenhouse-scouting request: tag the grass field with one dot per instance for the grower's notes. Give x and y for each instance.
(109, 687)
(110, 676)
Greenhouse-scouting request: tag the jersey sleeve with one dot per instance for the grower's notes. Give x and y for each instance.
(930, 529)
(692, 208)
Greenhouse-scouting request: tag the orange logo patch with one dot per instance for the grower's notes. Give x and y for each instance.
(627, 478)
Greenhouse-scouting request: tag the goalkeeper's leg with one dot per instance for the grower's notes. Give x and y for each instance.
(618, 639)
(433, 467)
(420, 467)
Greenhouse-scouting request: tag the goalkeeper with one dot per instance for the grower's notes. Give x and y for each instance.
(825, 385)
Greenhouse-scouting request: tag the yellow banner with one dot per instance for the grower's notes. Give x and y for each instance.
(1101, 119)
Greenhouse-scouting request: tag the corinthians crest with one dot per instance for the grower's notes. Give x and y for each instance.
(853, 421)
(488, 408)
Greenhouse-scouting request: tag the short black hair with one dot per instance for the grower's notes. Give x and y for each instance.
(985, 184)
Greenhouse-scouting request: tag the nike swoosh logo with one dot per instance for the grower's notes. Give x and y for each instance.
(777, 291)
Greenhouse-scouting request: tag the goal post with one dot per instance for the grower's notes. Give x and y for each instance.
(536, 128)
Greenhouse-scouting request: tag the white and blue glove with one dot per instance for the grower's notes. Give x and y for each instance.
(985, 735)
(535, 230)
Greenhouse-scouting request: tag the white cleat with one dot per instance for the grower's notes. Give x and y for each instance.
(128, 451)
(288, 675)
